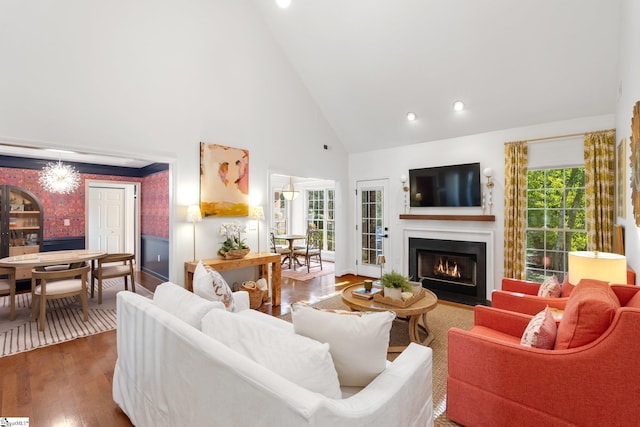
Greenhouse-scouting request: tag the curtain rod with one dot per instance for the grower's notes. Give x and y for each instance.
(569, 135)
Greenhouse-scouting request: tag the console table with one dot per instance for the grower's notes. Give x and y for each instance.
(262, 260)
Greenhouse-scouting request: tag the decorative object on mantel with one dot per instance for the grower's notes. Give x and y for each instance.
(233, 247)
(405, 190)
(59, 178)
(224, 180)
(194, 215)
(488, 173)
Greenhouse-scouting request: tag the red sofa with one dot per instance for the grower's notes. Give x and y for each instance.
(493, 380)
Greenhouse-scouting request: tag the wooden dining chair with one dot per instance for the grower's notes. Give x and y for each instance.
(112, 266)
(283, 250)
(46, 285)
(8, 287)
(313, 248)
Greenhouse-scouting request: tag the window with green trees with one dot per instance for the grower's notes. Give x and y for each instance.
(556, 220)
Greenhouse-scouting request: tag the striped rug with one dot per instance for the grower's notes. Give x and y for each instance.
(64, 319)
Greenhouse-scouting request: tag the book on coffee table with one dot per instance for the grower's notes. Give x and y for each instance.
(361, 293)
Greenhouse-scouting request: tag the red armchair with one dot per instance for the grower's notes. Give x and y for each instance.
(494, 380)
(522, 295)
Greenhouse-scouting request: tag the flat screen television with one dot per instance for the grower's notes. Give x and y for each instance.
(454, 185)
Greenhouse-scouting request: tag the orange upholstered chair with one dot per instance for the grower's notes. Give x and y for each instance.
(522, 295)
(587, 379)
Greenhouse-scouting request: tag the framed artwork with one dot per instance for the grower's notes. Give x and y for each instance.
(621, 179)
(635, 162)
(224, 180)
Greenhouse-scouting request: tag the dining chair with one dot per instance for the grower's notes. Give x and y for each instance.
(46, 285)
(313, 248)
(283, 250)
(112, 266)
(8, 287)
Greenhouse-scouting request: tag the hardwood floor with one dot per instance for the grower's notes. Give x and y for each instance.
(69, 384)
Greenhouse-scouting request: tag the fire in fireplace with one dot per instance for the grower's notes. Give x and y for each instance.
(454, 270)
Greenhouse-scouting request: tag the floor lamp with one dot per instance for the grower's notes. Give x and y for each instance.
(194, 215)
(257, 213)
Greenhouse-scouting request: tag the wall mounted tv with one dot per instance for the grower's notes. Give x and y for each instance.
(454, 185)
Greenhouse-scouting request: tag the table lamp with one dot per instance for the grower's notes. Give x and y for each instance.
(381, 261)
(194, 215)
(596, 265)
(257, 213)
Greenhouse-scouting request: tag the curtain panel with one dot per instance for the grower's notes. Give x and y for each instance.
(515, 208)
(599, 168)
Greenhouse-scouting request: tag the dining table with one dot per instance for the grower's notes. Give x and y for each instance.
(40, 260)
(291, 238)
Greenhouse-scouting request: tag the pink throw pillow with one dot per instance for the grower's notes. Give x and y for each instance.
(550, 288)
(541, 331)
(589, 312)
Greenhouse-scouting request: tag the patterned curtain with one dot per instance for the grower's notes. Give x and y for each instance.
(515, 208)
(599, 164)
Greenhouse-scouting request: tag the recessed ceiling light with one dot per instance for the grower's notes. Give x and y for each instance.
(458, 105)
(411, 116)
(283, 3)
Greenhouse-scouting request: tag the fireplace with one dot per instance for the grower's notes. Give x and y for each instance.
(454, 270)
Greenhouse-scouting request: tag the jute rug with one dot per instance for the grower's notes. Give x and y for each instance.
(64, 319)
(443, 317)
(300, 273)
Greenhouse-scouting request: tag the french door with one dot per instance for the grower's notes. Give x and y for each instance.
(371, 226)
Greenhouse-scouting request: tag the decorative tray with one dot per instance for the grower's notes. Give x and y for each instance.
(398, 302)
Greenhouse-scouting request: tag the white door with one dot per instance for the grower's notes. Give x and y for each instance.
(111, 217)
(371, 226)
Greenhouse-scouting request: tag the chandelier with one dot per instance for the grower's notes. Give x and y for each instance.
(59, 178)
(288, 191)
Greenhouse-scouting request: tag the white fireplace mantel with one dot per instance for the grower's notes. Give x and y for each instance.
(463, 235)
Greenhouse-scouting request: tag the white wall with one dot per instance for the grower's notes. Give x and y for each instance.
(486, 148)
(151, 79)
(629, 85)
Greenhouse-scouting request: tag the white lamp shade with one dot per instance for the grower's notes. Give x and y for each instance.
(603, 266)
(194, 214)
(257, 213)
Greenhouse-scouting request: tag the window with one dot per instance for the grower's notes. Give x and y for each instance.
(556, 220)
(320, 214)
(279, 219)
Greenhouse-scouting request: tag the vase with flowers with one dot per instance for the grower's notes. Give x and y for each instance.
(234, 247)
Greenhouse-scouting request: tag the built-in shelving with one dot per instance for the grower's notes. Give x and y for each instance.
(488, 218)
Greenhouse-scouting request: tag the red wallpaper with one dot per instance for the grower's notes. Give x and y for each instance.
(154, 194)
(57, 207)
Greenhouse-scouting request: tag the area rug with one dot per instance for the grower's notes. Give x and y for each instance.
(301, 272)
(443, 317)
(64, 319)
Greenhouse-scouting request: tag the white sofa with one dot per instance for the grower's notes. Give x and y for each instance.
(169, 373)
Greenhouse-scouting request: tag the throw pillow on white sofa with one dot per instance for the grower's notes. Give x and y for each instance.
(358, 341)
(301, 360)
(183, 304)
(210, 285)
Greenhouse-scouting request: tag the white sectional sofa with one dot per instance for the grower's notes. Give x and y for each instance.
(170, 373)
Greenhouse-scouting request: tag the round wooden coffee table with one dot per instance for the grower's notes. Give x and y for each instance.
(416, 311)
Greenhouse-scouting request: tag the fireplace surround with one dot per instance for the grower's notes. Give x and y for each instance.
(455, 270)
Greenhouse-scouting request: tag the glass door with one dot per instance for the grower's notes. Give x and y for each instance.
(371, 226)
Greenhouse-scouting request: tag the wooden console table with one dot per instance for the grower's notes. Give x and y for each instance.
(261, 260)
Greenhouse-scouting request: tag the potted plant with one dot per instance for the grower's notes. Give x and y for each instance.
(233, 247)
(394, 284)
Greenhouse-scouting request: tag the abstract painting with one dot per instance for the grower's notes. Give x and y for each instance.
(224, 180)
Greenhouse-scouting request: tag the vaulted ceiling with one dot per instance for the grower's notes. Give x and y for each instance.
(513, 63)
